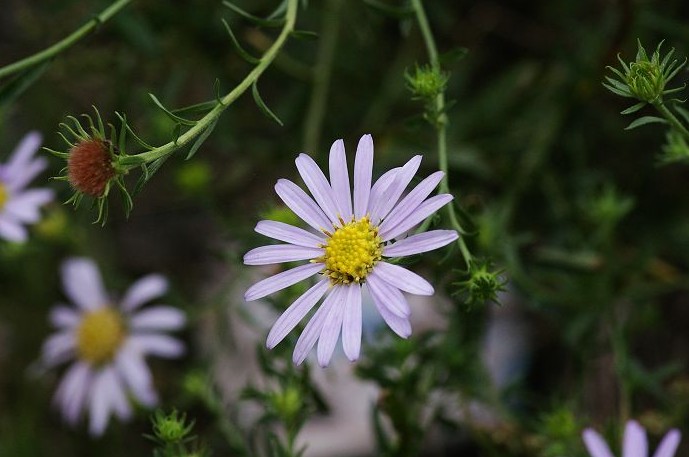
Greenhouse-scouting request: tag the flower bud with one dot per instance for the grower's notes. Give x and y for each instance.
(171, 428)
(426, 82)
(90, 167)
(646, 80)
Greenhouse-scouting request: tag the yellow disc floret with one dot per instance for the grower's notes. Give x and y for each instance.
(100, 335)
(4, 195)
(351, 251)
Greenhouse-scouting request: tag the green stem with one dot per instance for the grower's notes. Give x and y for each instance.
(203, 123)
(672, 119)
(441, 123)
(65, 43)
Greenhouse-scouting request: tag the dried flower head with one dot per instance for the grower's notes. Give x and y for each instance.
(90, 167)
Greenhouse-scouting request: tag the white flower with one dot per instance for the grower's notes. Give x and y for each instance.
(107, 344)
(346, 248)
(18, 205)
(634, 443)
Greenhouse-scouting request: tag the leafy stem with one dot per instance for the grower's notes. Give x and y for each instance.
(211, 117)
(440, 122)
(66, 42)
(671, 118)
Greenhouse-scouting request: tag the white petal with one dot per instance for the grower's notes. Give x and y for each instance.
(157, 344)
(388, 295)
(351, 325)
(339, 179)
(399, 325)
(595, 444)
(158, 318)
(313, 329)
(422, 242)
(23, 153)
(25, 207)
(318, 185)
(143, 291)
(136, 375)
(302, 205)
(64, 317)
(289, 234)
(403, 279)
(118, 399)
(668, 446)
(12, 231)
(99, 400)
(82, 283)
(412, 201)
(281, 280)
(59, 348)
(279, 253)
(417, 216)
(363, 169)
(25, 175)
(383, 204)
(296, 312)
(330, 332)
(72, 392)
(635, 443)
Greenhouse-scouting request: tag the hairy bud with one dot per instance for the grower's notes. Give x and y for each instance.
(90, 167)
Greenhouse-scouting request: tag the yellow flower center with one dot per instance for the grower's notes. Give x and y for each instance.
(4, 195)
(100, 335)
(351, 251)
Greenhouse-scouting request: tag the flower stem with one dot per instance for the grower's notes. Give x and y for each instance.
(440, 123)
(66, 42)
(207, 120)
(672, 119)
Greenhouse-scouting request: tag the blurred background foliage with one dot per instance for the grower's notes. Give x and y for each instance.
(591, 232)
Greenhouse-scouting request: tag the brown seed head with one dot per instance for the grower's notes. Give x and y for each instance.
(89, 167)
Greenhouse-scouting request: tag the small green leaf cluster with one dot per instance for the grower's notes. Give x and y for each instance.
(482, 284)
(172, 433)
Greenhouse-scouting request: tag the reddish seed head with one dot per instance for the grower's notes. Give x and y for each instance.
(89, 167)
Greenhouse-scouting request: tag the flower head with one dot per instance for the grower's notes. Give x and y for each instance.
(19, 205)
(90, 167)
(634, 443)
(106, 344)
(349, 237)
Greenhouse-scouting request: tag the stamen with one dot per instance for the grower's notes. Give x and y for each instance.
(100, 335)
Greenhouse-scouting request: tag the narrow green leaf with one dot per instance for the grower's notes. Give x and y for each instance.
(197, 108)
(170, 114)
(304, 35)
(617, 91)
(201, 139)
(10, 91)
(176, 132)
(238, 47)
(141, 142)
(262, 106)
(634, 108)
(150, 171)
(645, 120)
(682, 112)
(255, 19)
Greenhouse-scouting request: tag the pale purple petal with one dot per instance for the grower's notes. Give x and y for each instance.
(73, 391)
(412, 201)
(135, 373)
(389, 295)
(635, 443)
(403, 279)
(25, 206)
(318, 185)
(22, 154)
(313, 329)
(100, 403)
(296, 312)
(279, 253)
(302, 205)
(19, 180)
(330, 332)
(363, 169)
(12, 231)
(380, 186)
(339, 179)
(668, 446)
(144, 290)
(383, 204)
(158, 318)
(64, 317)
(118, 399)
(399, 325)
(423, 242)
(289, 234)
(82, 283)
(156, 344)
(595, 444)
(281, 280)
(424, 210)
(351, 325)
(59, 348)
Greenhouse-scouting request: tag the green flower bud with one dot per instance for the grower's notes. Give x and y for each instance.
(426, 82)
(483, 285)
(171, 428)
(287, 403)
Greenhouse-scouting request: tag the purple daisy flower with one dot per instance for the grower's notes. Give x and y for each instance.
(19, 206)
(346, 247)
(107, 344)
(634, 443)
